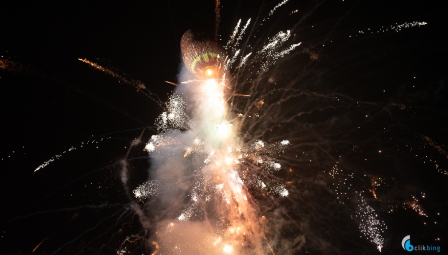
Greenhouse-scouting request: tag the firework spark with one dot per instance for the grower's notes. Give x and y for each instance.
(72, 148)
(370, 226)
(146, 190)
(138, 85)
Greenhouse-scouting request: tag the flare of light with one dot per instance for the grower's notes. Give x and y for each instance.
(227, 249)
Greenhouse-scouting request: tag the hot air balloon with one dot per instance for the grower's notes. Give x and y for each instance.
(202, 55)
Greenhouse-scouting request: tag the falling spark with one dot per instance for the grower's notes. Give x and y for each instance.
(138, 85)
(414, 205)
(146, 190)
(217, 18)
(241, 95)
(72, 148)
(395, 27)
(172, 83)
(235, 31)
(370, 226)
(398, 28)
(39, 245)
(244, 59)
(241, 34)
(277, 6)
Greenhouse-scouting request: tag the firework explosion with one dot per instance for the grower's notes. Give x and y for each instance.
(252, 158)
(211, 152)
(200, 131)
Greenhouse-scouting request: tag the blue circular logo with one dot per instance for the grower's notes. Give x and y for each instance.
(408, 246)
(406, 243)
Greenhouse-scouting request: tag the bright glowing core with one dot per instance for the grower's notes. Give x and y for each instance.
(227, 249)
(209, 72)
(224, 130)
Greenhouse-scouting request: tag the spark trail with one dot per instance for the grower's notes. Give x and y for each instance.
(138, 85)
(72, 148)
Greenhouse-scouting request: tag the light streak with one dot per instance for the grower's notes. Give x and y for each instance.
(241, 34)
(72, 148)
(395, 27)
(277, 6)
(172, 83)
(398, 27)
(39, 244)
(244, 59)
(138, 85)
(235, 31)
(274, 42)
(232, 60)
(217, 18)
(146, 190)
(241, 95)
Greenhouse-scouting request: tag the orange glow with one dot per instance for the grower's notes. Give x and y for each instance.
(209, 72)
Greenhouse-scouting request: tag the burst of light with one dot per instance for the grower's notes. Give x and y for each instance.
(150, 147)
(211, 86)
(209, 72)
(224, 130)
(227, 249)
(285, 142)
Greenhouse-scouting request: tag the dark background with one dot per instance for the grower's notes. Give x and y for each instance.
(50, 101)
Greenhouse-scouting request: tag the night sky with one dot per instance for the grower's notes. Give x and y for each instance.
(50, 101)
